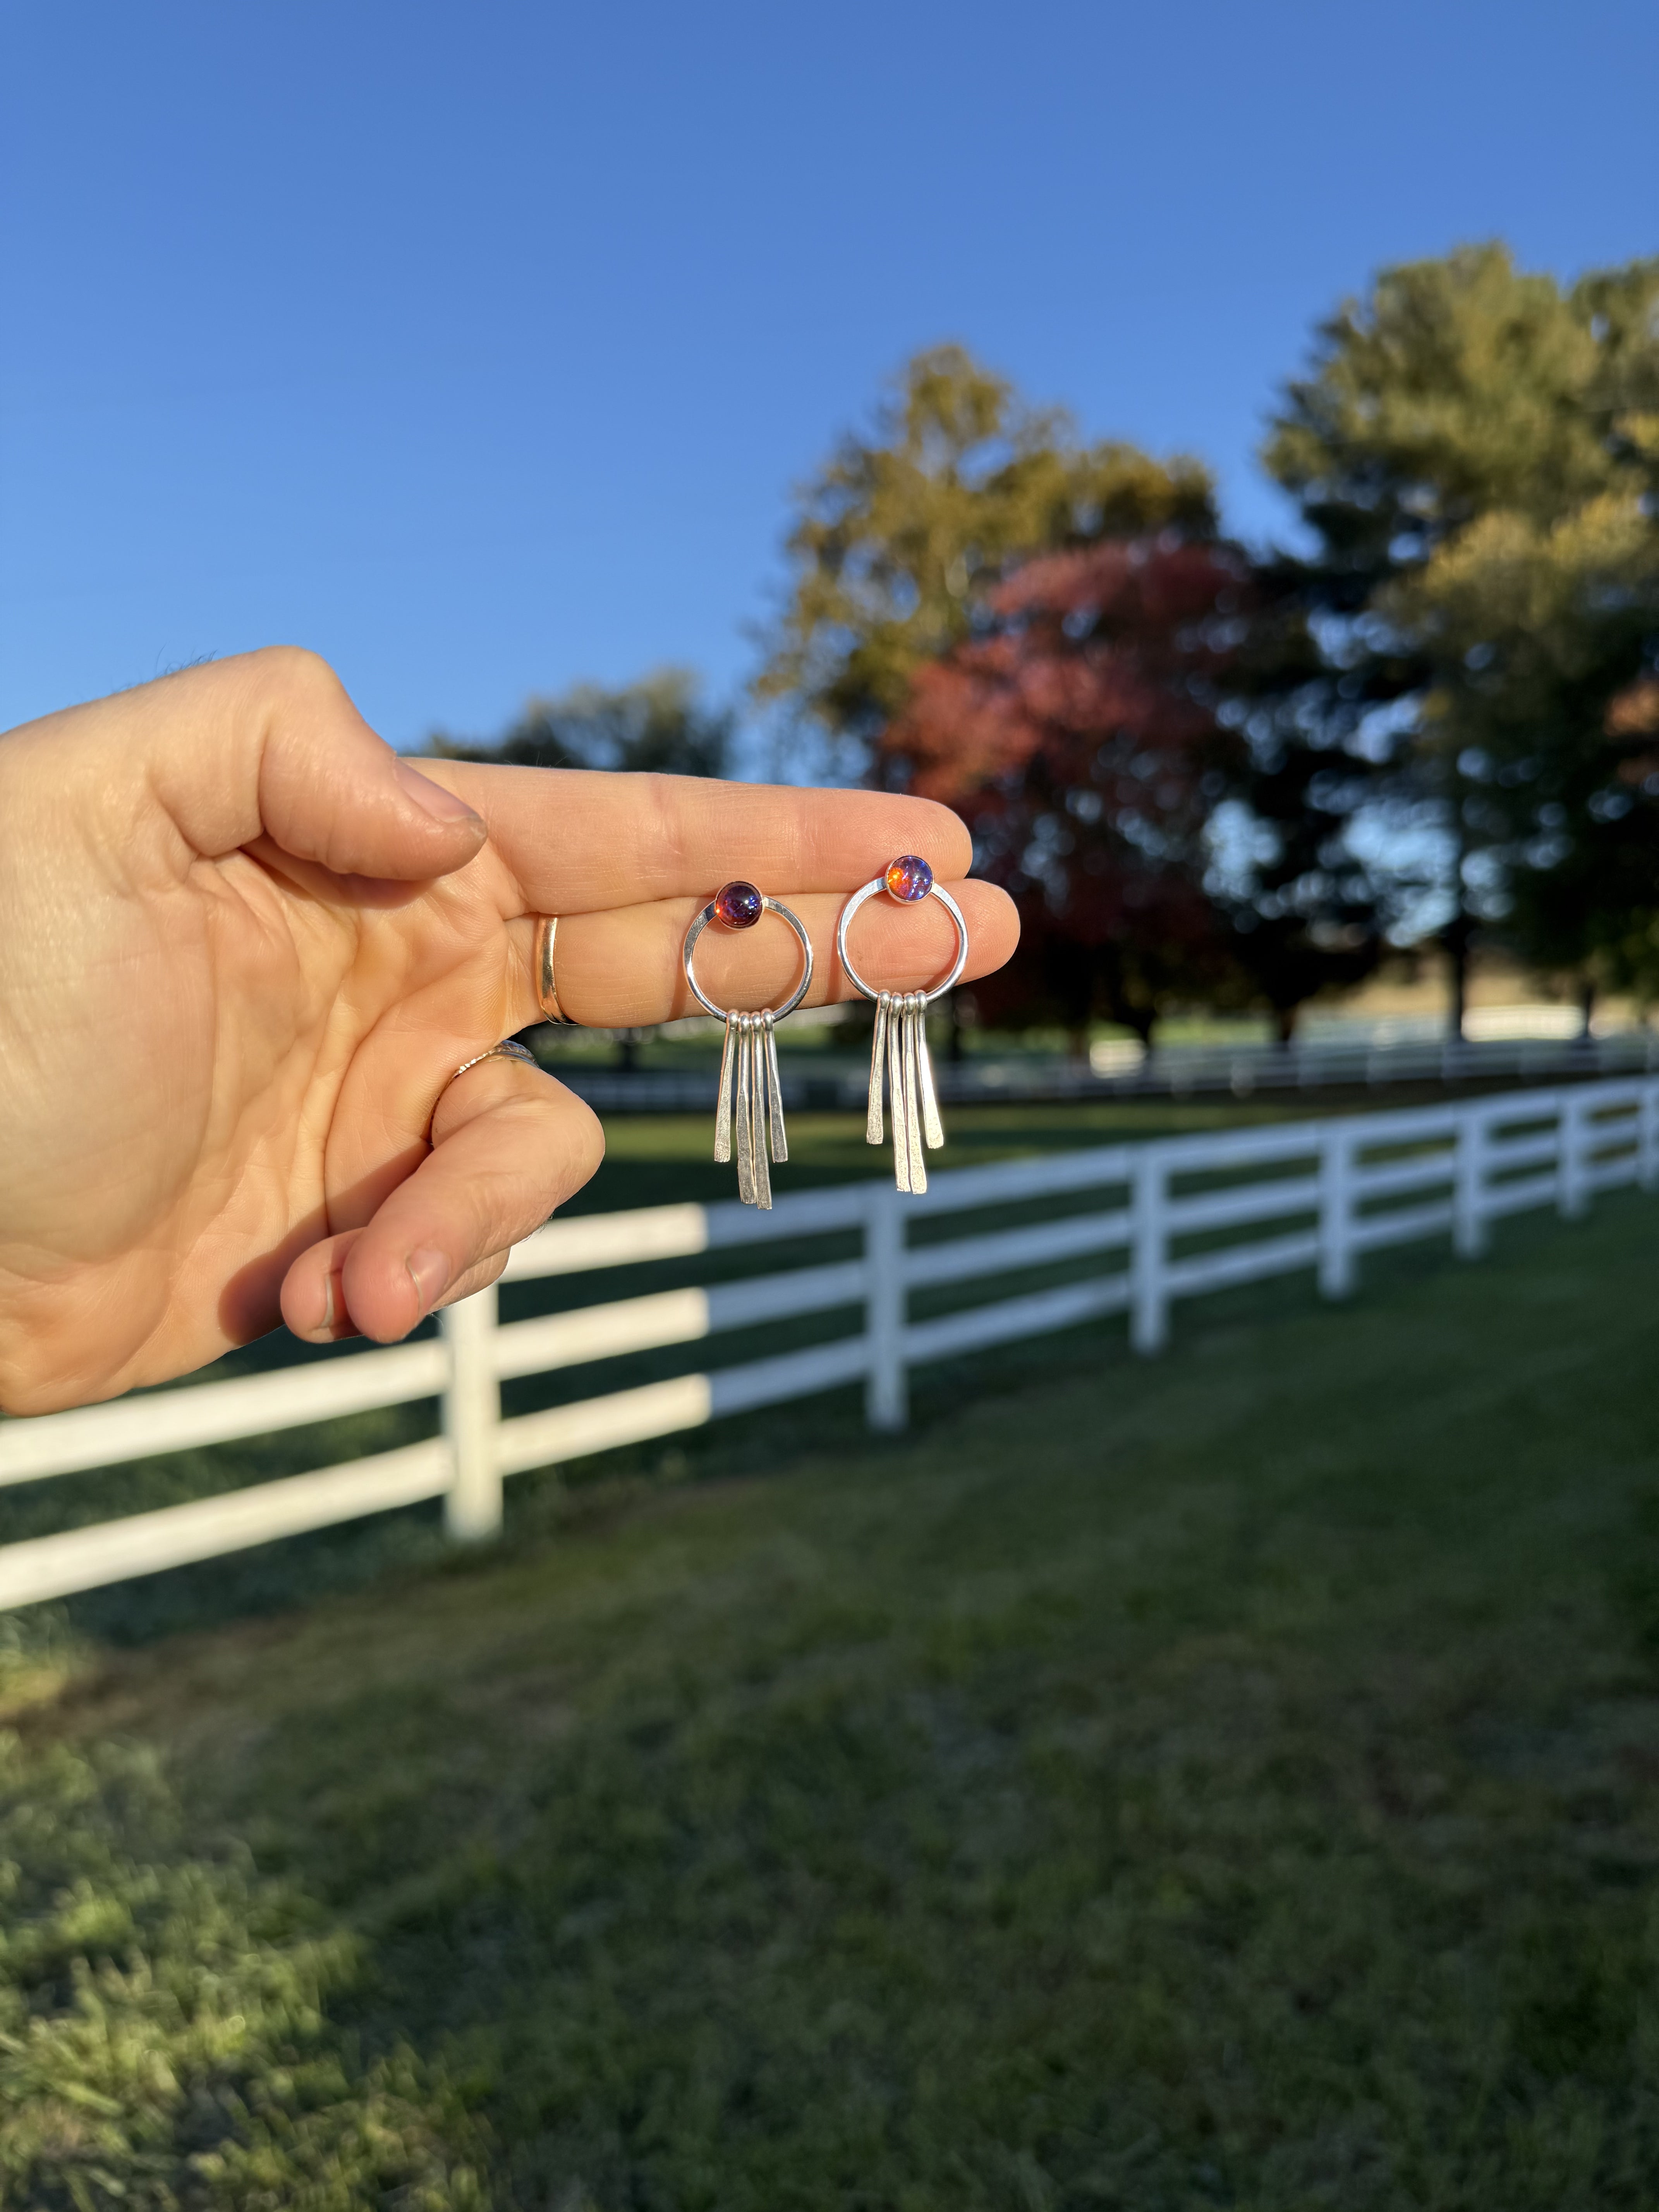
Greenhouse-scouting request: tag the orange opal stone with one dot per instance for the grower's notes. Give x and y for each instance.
(908, 878)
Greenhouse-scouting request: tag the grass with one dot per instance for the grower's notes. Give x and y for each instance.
(1227, 1780)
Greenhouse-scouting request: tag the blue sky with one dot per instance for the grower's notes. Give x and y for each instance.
(479, 347)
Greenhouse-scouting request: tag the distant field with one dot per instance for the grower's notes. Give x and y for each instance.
(1230, 1779)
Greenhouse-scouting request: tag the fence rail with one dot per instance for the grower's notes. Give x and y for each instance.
(1171, 1212)
(1118, 1071)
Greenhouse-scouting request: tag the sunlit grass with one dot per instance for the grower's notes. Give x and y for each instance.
(1230, 1779)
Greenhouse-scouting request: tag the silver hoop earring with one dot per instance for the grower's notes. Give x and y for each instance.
(899, 1048)
(750, 1092)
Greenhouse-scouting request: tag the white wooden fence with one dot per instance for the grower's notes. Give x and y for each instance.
(1163, 1220)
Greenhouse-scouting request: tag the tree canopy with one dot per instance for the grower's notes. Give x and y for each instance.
(1475, 456)
(902, 533)
(658, 723)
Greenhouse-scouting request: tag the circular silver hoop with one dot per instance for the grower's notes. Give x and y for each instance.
(869, 890)
(768, 906)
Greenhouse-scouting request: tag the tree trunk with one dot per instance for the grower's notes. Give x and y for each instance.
(1586, 1007)
(1284, 1025)
(953, 1035)
(1454, 940)
(1456, 936)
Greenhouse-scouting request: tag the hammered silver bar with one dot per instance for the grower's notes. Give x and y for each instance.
(760, 1175)
(745, 1115)
(932, 1127)
(877, 1053)
(774, 1089)
(912, 1088)
(723, 1111)
(896, 1077)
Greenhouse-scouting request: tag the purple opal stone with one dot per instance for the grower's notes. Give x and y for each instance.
(737, 905)
(908, 878)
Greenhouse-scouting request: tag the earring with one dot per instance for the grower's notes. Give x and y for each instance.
(750, 1092)
(899, 1043)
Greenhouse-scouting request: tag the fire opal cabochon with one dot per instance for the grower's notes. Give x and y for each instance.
(908, 878)
(737, 905)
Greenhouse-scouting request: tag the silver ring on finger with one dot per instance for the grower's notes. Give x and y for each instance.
(508, 1049)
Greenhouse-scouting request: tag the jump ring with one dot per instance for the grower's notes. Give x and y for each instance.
(768, 906)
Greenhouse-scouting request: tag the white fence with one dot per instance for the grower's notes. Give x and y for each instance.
(1124, 1070)
(1153, 1222)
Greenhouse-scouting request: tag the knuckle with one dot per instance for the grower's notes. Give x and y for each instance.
(294, 673)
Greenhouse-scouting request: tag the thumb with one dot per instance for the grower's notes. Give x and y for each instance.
(269, 744)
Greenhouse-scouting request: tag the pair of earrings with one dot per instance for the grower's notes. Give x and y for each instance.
(750, 1095)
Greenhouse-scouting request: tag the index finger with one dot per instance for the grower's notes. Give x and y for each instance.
(579, 840)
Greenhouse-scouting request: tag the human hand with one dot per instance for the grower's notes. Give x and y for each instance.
(244, 947)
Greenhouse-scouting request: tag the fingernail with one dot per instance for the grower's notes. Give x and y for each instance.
(429, 1272)
(328, 1303)
(432, 799)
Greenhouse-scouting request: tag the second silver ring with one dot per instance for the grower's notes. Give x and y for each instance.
(868, 891)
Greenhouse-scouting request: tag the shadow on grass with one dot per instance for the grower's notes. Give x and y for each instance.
(1230, 1779)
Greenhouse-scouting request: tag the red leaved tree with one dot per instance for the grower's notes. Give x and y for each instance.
(1077, 734)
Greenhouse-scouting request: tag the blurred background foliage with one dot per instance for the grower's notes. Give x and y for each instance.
(1234, 775)
(657, 725)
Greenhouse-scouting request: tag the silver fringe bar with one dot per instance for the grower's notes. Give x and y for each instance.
(898, 1054)
(877, 1053)
(759, 1111)
(774, 1085)
(723, 1111)
(749, 1118)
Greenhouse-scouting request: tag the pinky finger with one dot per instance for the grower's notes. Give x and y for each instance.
(509, 1145)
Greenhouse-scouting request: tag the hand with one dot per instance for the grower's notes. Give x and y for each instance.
(244, 947)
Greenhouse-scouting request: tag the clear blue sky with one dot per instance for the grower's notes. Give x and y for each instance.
(479, 347)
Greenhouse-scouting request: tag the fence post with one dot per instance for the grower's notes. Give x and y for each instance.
(1469, 1185)
(1336, 1163)
(1570, 1191)
(472, 1414)
(1149, 1295)
(886, 1394)
(1647, 1137)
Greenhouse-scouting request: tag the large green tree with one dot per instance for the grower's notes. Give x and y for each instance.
(1474, 454)
(899, 538)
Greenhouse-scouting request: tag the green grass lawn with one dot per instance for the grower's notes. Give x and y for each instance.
(1226, 1780)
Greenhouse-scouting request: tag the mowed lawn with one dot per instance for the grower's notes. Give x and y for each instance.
(1231, 1779)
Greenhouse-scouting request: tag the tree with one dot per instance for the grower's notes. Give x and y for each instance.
(1083, 732)
(1553, 629)
(1072, 734)
(902, 534)
(1461, 410)
(656, 724)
